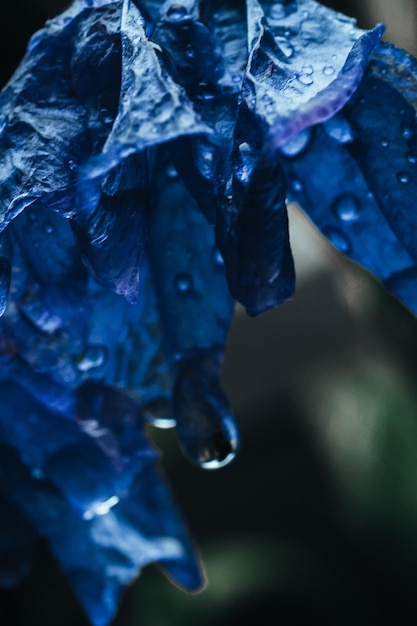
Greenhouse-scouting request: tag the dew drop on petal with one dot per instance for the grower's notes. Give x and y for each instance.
(384, 143)
(190, 52)
(183, 282)
(305, 79)
(177, 12)
(297, 144)
(407, 133)
(218, 259)
(339, 129)
(171, 172)
(277, 11)
(94, 356)
(403, 177)
(48, 228)
(328, 70)
(412, 158)
(337, 238)
(286, 48)
(346, 207)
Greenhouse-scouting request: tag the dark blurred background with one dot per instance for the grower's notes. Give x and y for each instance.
(315, 522)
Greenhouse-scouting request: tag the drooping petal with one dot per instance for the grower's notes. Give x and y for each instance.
(103, 523)
(196, 312)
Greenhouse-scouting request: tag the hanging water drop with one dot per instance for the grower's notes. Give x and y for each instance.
(277, 11)
(337, 238)
(205, 426)
(346, 207)
(93, 357)
(183, 282)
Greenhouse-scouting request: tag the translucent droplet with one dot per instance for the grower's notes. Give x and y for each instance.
(412, 158)
(296, 185)
(171, 171)
(32, 216)
(48, 228)
(277, 11)
(177, 12)
(205, 92)
(407, 133)
(346, 207)
(72, 165)
(183, 282)
(205, 426)
(93, 357)
(308, 70)
(37, 473)
(105, 116)
(305, 79)
(297, 144)
(190, 52)
(339, 129)
(328, 70)
(236, 78)
(286, 48)
(338, 239)
(218, 259)
(384, 143)
(403, 177)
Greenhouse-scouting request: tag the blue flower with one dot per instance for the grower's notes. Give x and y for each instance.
(148, 152)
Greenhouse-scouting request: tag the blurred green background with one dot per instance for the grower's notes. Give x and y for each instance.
(315, 522)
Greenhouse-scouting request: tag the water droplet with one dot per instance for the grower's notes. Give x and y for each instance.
(339, 129)
(384, 143)
(105, 116)
(48, 228)
(277, 12)
(236, 78)
(403, 177)
(190, 52)
(32, 216)
(37, 473)
(218, 259)
(94, 356)
(296, 185)
(72, 165)
(328, 70)
(346, 207)
(407, 133)
(183, 282)
(170, 171)
(412, 158)
(297, 144)
(177, 12)
(337, 238)
(305, 79)
(205, 92)
(205, 426)
(308, 70)
(286, 48)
